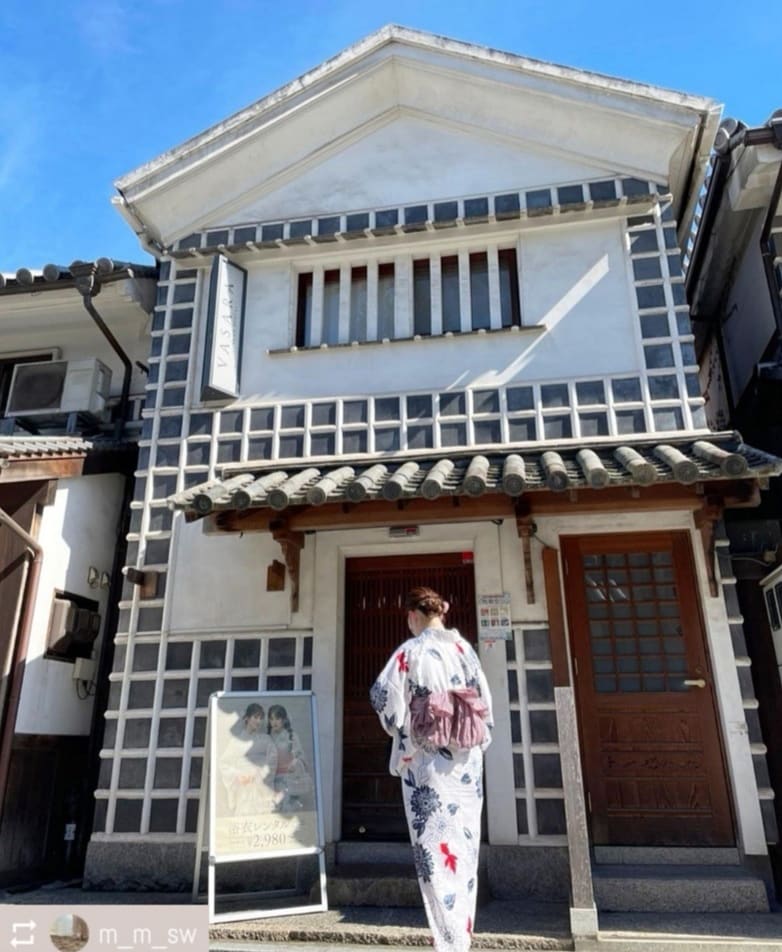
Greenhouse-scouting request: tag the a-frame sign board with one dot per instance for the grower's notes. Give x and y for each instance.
(260, 792)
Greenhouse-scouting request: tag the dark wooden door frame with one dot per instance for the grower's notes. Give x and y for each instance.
(706, 703)
(359, 723)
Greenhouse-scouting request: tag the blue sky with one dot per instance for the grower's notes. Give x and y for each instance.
(91, 89)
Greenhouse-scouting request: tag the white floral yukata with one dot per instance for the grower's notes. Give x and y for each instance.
(442, 788)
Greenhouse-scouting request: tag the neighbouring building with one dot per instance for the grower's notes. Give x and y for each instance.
(734, 285)
(69, 422)
(421, 318)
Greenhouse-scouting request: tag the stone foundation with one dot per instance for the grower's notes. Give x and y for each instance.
(509, 872)
(139, 866)
(534, 872)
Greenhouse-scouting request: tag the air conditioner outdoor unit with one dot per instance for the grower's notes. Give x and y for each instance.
(74, 624)
(58, 386)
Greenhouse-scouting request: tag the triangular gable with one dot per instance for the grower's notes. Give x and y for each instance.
(406, 160)
(588, 118)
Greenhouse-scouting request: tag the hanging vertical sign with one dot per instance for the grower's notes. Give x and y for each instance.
(224, 330)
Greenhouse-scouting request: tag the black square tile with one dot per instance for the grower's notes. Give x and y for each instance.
(329, 225)
(632, 187)
(570, 195)
(127, 816)
(602, 191)
(446, 211)
(476, 208)
(300, 229)
(539, 200)
(416, 214)
(387, 218)
(241, 235)
(507, 206)
(357, 222)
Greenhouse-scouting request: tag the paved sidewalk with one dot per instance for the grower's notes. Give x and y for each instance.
(687, 932)
(500, 925)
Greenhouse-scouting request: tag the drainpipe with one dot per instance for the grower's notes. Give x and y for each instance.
(22, 639)
(721, 350)
(87, 279)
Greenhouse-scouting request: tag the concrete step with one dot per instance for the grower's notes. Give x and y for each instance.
(666, 855)
(365, 884)
(400, 854)
(678, 888)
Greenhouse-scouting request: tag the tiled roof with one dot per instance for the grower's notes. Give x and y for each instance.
(53, 276)
(19, 448)
(513, 472)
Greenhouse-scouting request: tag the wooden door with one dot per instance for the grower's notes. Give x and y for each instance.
(375, 624)
(653, 764)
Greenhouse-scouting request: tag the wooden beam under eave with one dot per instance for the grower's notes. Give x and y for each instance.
(495, 505)
(18, 471)
(373, 513)
(734, 494)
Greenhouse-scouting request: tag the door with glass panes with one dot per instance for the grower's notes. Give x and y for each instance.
(653, 763)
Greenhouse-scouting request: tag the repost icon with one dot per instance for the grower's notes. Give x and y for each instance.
(23, 933)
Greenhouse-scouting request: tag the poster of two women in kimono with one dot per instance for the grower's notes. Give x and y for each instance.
(264, 778)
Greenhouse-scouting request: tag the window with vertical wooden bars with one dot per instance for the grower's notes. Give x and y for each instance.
(441, 294)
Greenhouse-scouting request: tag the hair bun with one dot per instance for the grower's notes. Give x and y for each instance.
(426, 601)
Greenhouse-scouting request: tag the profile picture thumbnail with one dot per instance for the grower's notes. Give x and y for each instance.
(69, 932)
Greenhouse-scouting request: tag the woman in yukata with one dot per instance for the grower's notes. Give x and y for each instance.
(248, 766)
(433, 700)
(292, 780)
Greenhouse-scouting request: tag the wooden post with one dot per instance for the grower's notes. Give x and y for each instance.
(583, 912)
(291, 544)
(705, 521)
(526, 529)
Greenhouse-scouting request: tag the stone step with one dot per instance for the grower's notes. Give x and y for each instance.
(666, 855)
(399, 854)
(678, 888)
(365, 884)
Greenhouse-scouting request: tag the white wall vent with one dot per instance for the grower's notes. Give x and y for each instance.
(58, 386)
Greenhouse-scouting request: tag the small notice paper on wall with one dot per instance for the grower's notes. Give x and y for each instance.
(494, 617)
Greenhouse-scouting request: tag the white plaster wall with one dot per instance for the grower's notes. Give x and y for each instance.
(218, 582)
(412, 159)
(574, 282)
(575, 298)
(77, 531)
